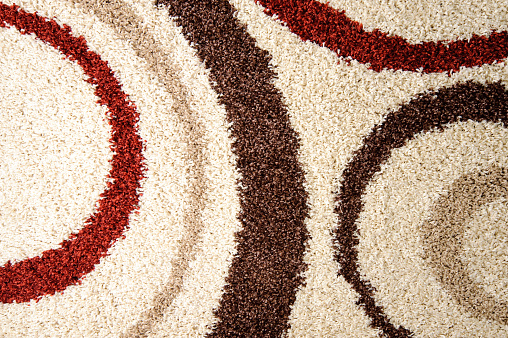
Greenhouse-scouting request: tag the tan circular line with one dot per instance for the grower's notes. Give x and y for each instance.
(122, 19)
(443, 235)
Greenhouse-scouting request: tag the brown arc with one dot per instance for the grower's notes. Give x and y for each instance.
(442, 235)
(267, 270)
(120, 16)
(425, 112)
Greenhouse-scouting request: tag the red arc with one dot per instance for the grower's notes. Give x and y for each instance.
(314, 21)
(54, 270)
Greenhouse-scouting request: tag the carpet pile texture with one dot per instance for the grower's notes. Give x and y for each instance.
(253, 168)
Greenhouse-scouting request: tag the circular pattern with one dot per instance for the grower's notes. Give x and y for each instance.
(397, 201)
(443, 235)
(468, 101)
(56, 269)
(333, 105)
(269, 266)
(190, 177)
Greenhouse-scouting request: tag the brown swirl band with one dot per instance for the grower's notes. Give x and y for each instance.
(468, 101)
(266, 271)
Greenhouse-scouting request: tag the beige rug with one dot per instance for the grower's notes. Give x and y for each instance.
(215, 168)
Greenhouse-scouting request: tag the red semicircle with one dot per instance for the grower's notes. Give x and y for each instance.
(54, 270)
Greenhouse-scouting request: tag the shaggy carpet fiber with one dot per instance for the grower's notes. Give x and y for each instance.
(253, 168)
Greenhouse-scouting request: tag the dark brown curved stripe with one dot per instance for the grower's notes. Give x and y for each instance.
(468, 101)
(266, 272)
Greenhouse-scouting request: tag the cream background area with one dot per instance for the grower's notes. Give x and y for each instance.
(427, 20)
(396, 203)
(333, 105)
(54, 147)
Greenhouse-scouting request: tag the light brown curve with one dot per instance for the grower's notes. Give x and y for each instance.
(122, 19)
(442, 237)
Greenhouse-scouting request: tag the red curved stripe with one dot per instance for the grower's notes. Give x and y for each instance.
(56, 269)
(314, 21)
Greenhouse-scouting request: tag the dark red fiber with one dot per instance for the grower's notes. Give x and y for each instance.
(314, 21)
(54, 270)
